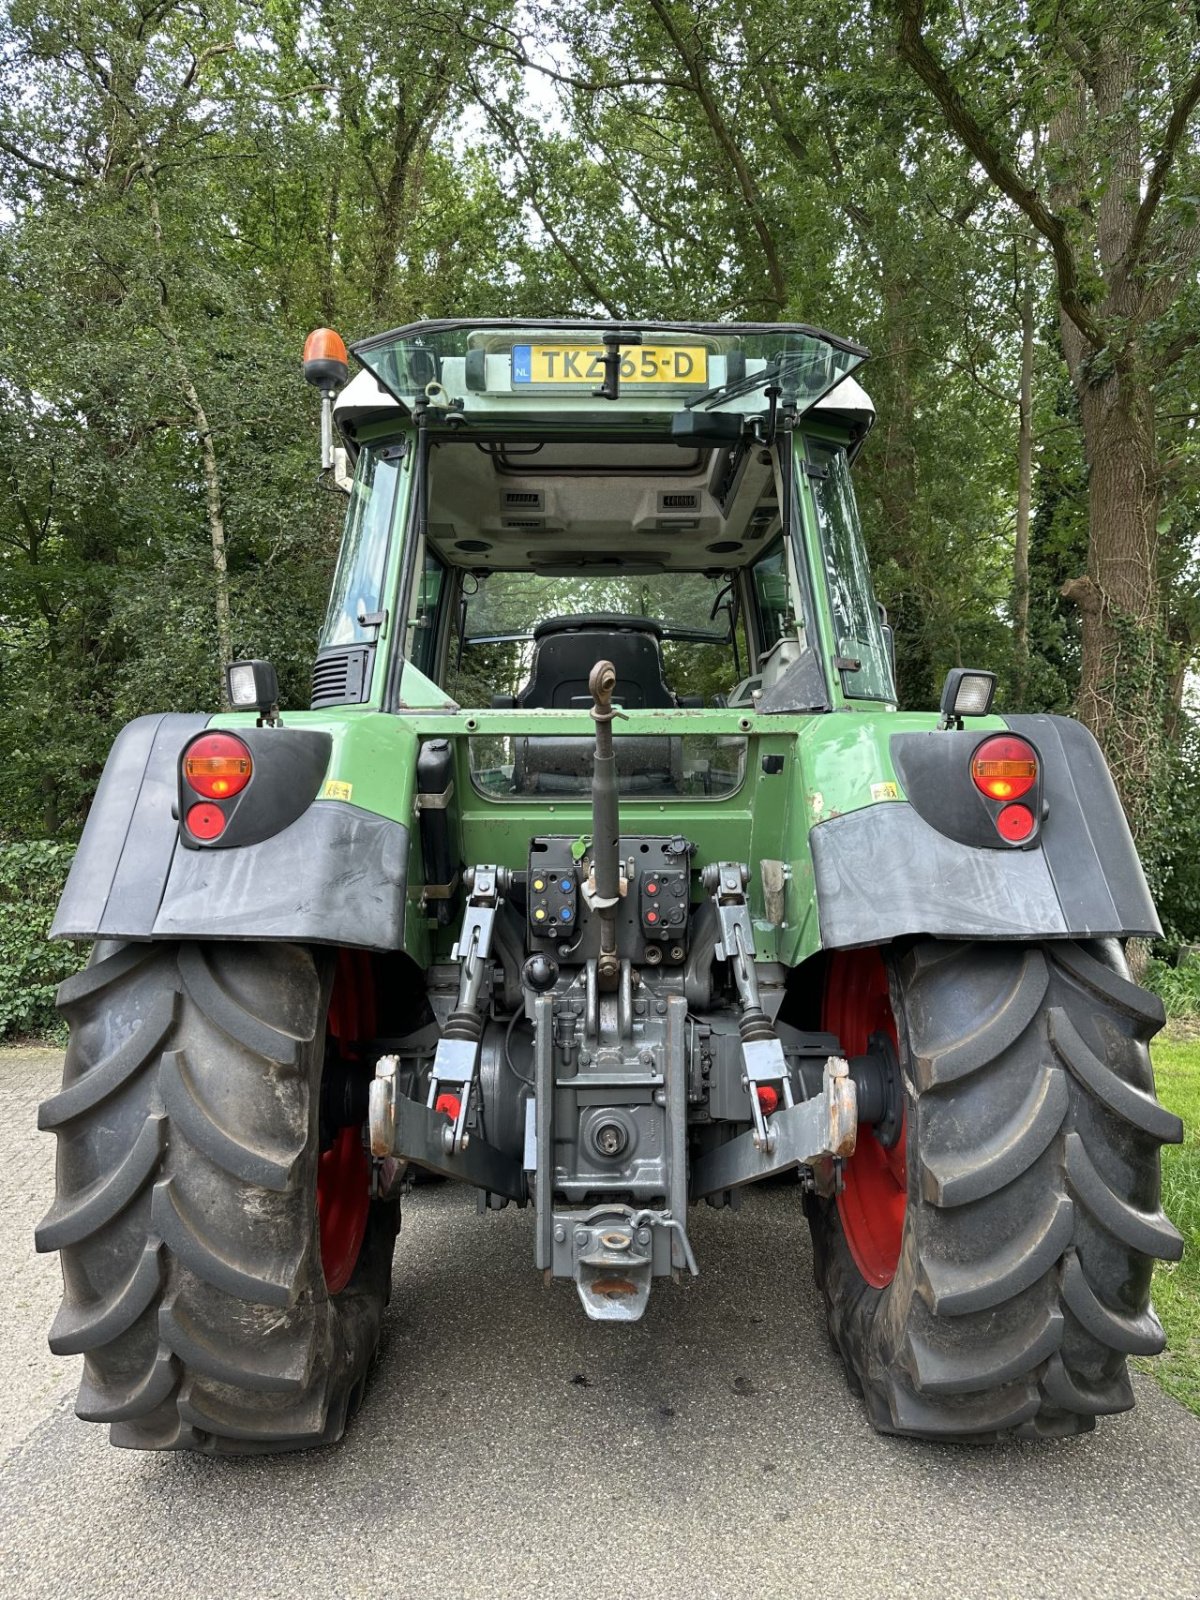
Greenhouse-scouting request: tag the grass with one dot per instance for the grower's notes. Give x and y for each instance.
(1177, 1284)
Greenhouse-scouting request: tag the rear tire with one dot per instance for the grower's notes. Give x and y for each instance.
(186, 1212)
(1032, 1217)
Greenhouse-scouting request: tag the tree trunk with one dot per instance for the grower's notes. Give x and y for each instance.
(214, 504)
(216, 521)
(1024, 500)
(891, 468)
(330, 241)
(1119, 692)
(392, 208)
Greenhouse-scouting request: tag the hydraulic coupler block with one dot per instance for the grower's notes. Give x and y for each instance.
(553, 902)
(663, 903)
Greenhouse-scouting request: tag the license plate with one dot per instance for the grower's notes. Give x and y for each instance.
(668, 366)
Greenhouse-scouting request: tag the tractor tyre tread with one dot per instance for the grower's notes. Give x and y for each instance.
(184, 1212)
(1033, 1216)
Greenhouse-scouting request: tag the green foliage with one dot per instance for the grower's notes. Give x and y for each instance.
(32, 875)
(1178, 987)
(1176, 1288)
(193, 193)
(1177, 827)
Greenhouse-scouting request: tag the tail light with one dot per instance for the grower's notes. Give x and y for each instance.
(217, 766)
(1004, 768)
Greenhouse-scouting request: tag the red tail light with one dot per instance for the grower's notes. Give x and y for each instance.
(1004, 768)
(217, 766)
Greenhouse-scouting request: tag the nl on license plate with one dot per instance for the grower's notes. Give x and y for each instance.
(669, 365)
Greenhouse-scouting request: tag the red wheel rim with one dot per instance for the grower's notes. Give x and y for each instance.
(343, 1202)
(343, 1170)
(875, 1180)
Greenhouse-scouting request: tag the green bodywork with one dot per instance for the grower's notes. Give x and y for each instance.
(833, 762)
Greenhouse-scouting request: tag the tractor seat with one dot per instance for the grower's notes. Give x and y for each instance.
(567, 648)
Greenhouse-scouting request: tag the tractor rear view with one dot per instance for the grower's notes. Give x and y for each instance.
(605, 877)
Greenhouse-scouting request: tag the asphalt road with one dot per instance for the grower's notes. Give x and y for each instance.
(510, 1448)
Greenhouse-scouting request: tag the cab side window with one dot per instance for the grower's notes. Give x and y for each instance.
(431, 581)
(773, 600)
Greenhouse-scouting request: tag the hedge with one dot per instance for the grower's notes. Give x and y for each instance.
(32, 874)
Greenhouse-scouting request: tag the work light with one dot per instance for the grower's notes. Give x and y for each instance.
(967, 692)
(253, 686)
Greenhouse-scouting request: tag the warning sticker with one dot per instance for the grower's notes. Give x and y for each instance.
(885, 791)
(335, 789)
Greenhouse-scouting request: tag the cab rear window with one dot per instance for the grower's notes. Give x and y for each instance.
(649, 766)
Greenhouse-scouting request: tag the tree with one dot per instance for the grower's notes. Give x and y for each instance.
(163, 178)
(1113, 93)
(710, 161)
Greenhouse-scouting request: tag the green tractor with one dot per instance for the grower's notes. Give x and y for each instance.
(605, 877)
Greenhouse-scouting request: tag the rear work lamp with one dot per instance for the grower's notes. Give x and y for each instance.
(967, 692)
(253, 686)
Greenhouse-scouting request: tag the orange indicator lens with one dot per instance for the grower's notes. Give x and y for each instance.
(217, 766)
(1004, 768)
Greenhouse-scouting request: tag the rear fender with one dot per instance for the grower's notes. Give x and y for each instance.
(928, 866)
(292, 866)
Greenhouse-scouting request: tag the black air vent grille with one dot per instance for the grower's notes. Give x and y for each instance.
(342, 676)
(523, 499)
(523, 522)
(679, 500)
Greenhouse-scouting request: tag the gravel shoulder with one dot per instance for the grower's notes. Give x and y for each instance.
(510, 1448)
(32, 1381)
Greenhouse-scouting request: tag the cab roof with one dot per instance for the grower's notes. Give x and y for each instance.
(611, 373)
(413, 331)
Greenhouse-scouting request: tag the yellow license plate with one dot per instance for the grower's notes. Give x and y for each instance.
(670, 366)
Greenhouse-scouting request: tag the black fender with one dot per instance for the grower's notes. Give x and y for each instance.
(291, 867)
(932, 864)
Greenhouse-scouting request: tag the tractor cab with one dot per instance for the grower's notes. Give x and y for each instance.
(675, 497)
